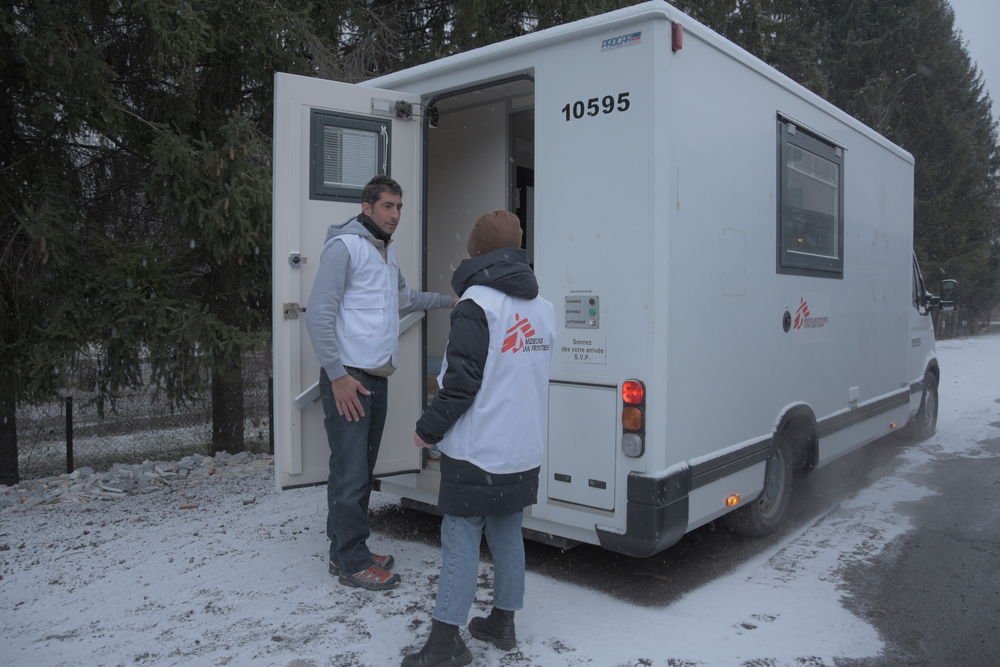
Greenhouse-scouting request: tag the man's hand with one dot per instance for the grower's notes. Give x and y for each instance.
(454, 300)
(418, 441)
(345, 395)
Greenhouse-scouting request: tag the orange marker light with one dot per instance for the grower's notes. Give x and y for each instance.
(633, 392)
(733, 500)
(632, 419)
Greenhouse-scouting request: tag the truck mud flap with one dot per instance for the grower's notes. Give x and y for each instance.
(657, 514)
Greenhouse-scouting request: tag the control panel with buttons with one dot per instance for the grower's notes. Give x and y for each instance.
(583, 312)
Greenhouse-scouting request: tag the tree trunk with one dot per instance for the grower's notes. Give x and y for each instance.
(227, 408)
(9, 473)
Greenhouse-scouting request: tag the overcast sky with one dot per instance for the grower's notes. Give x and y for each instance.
(979, 20)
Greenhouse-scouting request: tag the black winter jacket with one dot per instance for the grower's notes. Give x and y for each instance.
(466, 489)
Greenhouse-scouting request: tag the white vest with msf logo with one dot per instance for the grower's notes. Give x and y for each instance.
(504, 430)
(368, 320)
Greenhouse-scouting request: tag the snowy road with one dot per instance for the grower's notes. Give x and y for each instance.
(241, 579)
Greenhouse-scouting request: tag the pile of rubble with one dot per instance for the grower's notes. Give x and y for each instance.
(84, 484)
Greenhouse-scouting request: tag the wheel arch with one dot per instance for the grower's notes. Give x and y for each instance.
(932, 367)
(799, 421)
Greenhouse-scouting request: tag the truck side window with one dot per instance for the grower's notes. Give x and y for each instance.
(811, 203)
(345, 153)
(919, 291)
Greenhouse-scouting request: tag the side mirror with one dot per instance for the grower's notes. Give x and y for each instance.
(949, 296)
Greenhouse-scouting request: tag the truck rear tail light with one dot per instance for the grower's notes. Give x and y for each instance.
(633, 392)
(633, 418)
(632, 445)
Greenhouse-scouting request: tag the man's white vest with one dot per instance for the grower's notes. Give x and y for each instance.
(368, 320)
(505, 428)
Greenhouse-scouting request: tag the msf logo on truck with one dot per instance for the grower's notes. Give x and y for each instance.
(520, 338)
(629, 39)
(803, 319)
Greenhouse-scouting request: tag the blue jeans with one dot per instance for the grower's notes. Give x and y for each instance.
(460, 538)
(353, 450)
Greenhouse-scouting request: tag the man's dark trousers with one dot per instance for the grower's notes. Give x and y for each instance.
(354, 448)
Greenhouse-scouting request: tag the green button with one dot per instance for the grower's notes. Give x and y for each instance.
(593, 312)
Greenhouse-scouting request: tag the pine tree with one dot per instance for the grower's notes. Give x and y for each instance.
(135, 221)
(56, 174)
(901, 68)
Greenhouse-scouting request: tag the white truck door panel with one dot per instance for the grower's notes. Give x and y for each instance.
(921, 339)
(583, 427)
(300, 223)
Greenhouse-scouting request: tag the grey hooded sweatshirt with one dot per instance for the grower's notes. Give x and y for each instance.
(328, 289)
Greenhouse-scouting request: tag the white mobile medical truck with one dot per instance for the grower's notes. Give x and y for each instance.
(730, 257)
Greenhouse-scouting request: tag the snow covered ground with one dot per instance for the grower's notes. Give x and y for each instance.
(224, 570)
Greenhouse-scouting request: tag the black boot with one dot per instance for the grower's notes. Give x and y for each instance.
(444, 648)
(498, 628)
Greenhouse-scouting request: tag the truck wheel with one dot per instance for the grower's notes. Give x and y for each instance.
(925, 421)
(762, 517)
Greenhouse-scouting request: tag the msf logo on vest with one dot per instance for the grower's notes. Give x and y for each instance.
(520, 338)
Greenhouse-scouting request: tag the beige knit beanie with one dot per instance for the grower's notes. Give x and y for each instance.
(492, 231)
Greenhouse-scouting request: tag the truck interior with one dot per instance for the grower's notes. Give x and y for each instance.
(479, 157)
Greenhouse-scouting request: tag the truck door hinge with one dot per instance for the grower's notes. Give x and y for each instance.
(408, 111)
(292, 310)
(405, 110)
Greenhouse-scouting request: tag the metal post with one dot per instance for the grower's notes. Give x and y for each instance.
(270, 414)
(69, 435)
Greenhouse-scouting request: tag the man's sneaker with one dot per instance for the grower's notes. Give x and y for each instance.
(385, 562)
(374, 578)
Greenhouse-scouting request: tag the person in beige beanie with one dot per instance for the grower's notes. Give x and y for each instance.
(489, 422)
(499, 229)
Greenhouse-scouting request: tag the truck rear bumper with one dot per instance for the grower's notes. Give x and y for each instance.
(656, 515)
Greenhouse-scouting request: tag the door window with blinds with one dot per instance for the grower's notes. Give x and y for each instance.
(345, 153)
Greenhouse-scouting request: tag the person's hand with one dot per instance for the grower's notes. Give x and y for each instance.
(418, 441)
(345, 395)
(454, 301)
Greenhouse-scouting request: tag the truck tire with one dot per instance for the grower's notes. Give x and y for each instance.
(763, 516)
(925, 421)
